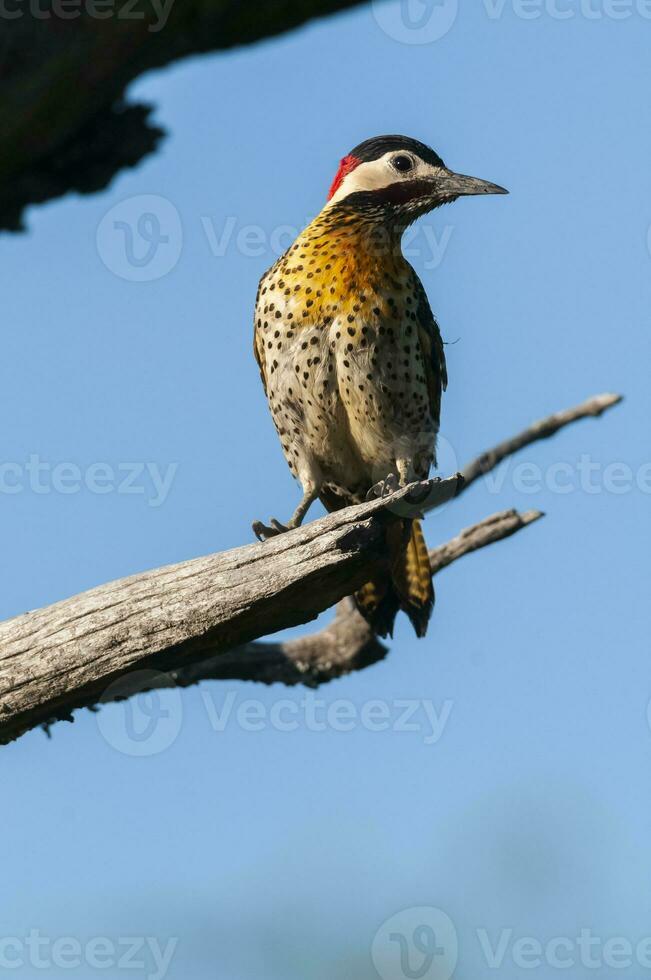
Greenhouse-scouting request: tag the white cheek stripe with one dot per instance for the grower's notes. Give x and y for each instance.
(376, 174)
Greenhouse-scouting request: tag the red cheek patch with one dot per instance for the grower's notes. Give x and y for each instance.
(346, 166)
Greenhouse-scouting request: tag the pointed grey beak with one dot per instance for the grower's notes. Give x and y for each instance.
(457, 185)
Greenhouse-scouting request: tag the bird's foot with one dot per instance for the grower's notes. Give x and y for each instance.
(265, 531)
(384, 488)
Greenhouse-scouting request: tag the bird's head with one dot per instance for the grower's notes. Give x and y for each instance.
(398, 178)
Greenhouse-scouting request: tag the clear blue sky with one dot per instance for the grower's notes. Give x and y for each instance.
(278, 855)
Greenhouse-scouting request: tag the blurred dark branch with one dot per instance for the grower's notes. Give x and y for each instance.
(198, 620)
(63, 117)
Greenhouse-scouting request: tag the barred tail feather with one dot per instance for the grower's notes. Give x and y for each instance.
(408, 585)
(413, 580)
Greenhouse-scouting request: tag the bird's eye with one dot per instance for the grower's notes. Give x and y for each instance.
(403, 163)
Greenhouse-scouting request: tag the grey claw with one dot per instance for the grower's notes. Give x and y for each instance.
(390, 485)
(263, 531)
(259, 530)
(381, 489)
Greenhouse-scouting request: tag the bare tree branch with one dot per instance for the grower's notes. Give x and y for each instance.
(198, 620)
(491, 529)
(592, 408)
(63, 656)
(348, 643)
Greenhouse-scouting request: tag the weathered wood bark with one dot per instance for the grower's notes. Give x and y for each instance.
(197, 620)
(64, 124)
(348, 643)
(66, 654)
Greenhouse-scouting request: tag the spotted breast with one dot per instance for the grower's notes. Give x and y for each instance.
(351, 358)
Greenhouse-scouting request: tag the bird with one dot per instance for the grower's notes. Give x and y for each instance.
(352, 360)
